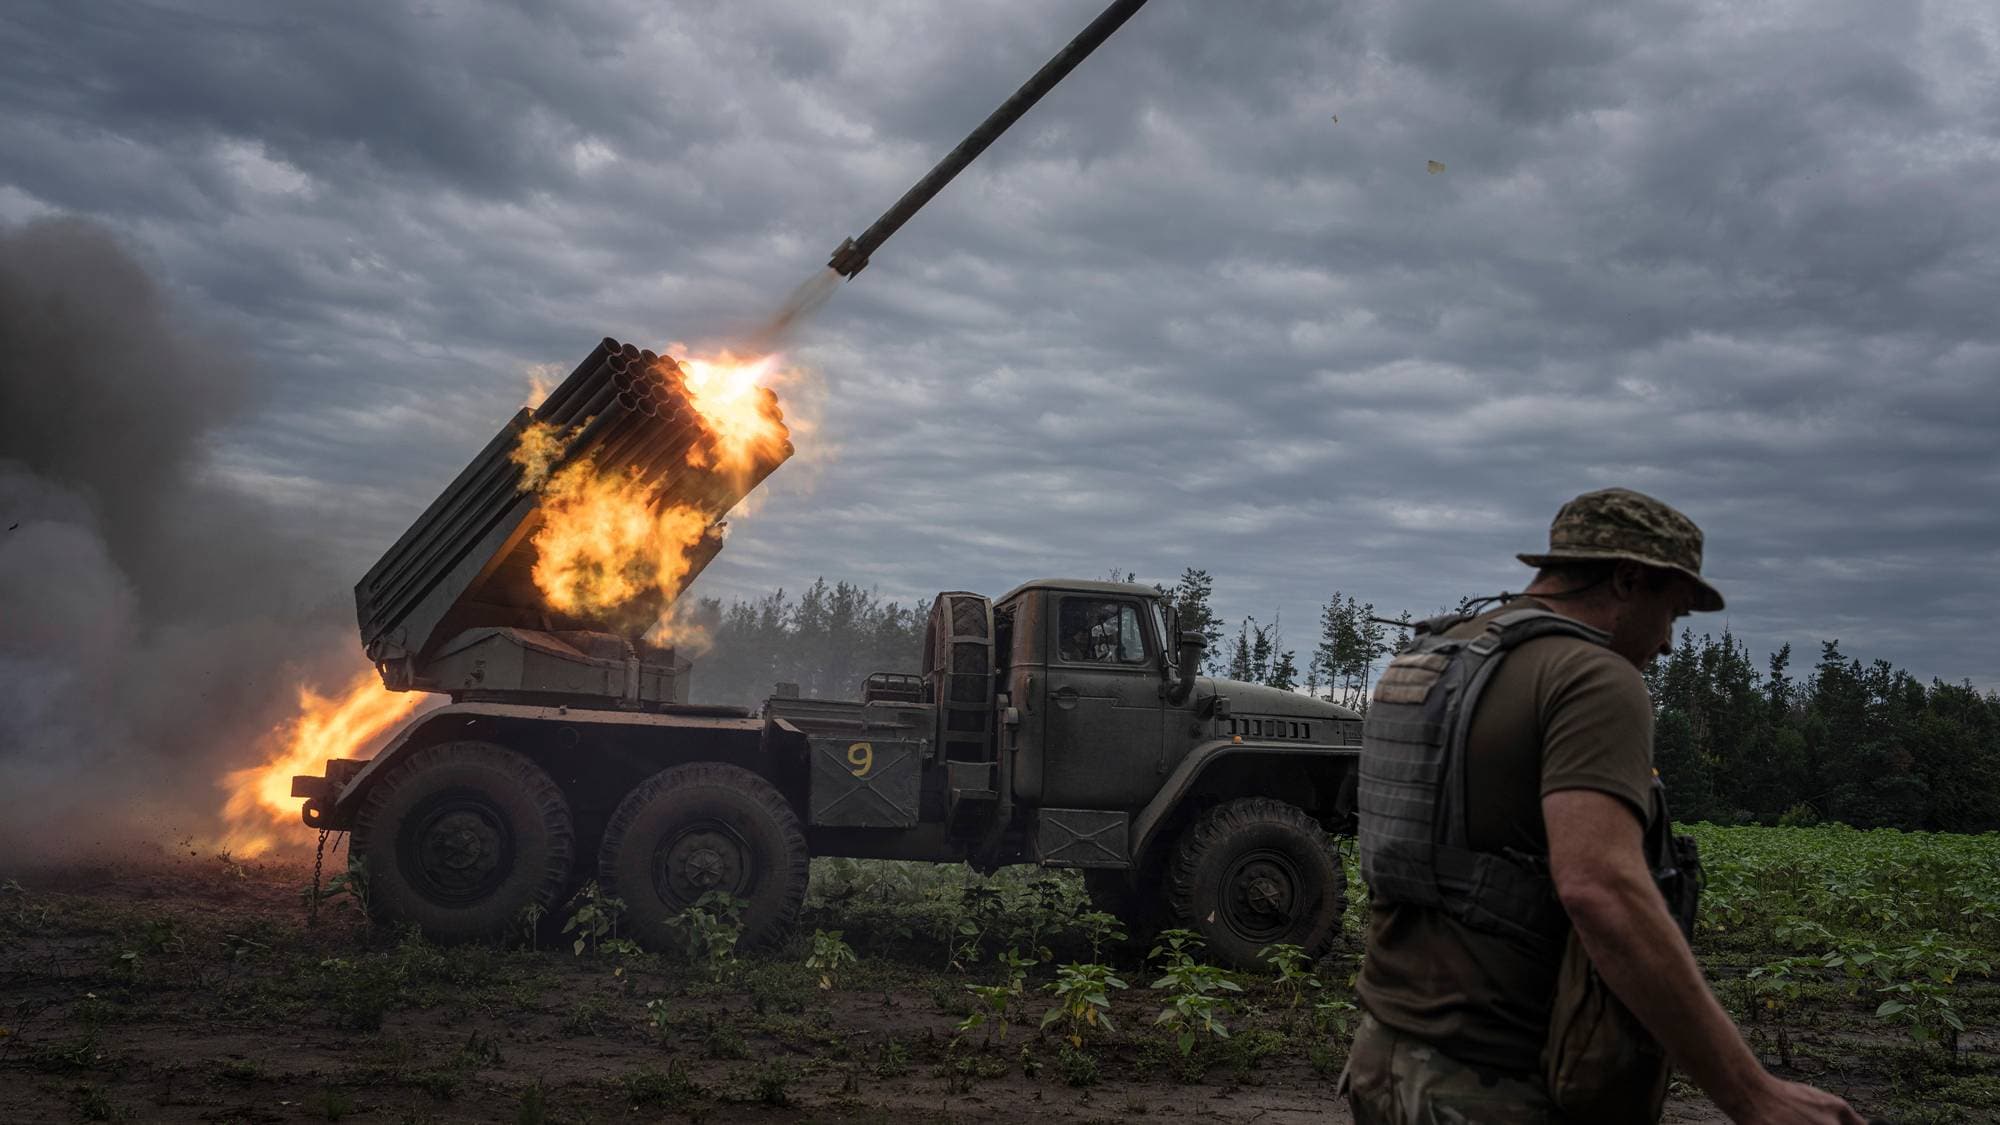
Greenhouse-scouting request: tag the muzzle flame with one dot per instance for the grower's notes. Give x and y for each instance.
(608, 537)
(601, 543)
(737, 401)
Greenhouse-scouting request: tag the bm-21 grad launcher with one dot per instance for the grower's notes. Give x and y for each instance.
(1065, 723)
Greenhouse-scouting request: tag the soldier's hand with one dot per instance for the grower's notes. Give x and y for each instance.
(1794, 1103)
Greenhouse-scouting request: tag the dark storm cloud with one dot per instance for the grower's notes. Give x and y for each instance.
(1742, 258)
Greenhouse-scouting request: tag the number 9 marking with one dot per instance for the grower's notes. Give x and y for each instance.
(861, 756)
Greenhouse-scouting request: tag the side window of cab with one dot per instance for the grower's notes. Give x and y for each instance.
(1100, 631)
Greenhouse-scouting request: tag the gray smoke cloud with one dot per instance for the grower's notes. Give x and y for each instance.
(154, 621)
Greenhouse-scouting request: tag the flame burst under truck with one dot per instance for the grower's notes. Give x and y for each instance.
(1064, 723)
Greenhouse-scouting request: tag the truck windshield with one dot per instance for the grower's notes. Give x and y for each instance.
(1101, 631)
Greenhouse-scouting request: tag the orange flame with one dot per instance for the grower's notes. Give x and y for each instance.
(601, 544)
(540, 447)
(735, 399)
(260, 804)
(604, 541)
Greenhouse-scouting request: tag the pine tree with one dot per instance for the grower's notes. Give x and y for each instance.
(1190, 598)
(1284, 672)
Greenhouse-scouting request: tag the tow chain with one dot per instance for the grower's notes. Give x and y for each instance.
(319, 858)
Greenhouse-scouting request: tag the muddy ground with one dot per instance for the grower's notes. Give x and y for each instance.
(194, 991)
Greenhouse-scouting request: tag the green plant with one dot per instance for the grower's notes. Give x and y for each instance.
(584, 1017)
(1083, 999)
(529, 919)
(348, 887)
(661, 1014)
(997, 1000)
(829, 956)
(1925, 1010)
(893, 1060)
(723, 1041)
(1295, 977)
(1078, 1066)
(1195, 1005)
(772, 1084)
(593, 918)
(1333, 1015)
(709, 930)
(979, 906)
(1041, 913)
(672, 1087)
(1100, 929)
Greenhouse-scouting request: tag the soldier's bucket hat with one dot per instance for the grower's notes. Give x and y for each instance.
(1618, 523)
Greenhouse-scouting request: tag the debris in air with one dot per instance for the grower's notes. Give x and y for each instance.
(1433, 166)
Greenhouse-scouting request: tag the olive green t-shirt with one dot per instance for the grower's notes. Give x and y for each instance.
(1559, 713)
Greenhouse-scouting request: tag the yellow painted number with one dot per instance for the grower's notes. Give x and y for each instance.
(861, 756)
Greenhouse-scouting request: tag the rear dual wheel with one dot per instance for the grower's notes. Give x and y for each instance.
(698, 828)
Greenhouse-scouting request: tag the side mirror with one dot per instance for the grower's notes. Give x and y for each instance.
(1193, 644)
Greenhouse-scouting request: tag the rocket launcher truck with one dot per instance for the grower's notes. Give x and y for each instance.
(1065, 723)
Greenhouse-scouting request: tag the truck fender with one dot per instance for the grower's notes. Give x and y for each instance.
(1188, 773)
(430, 727)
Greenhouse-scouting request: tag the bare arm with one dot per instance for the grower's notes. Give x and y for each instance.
(1597, 855)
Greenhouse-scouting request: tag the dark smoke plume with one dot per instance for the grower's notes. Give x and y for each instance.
(154, 624)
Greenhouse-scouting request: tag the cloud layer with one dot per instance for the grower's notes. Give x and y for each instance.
(1742, 259)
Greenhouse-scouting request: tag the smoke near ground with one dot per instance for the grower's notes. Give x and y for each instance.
(154, 623)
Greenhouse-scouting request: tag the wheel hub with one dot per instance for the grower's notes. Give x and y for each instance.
(704, 858)
(461, 849)
(1262, 896)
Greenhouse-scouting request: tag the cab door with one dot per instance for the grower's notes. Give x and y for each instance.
(1104, 715)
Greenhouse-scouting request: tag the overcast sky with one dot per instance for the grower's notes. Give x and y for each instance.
(1745, 257)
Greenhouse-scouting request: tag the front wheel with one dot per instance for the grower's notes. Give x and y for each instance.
(698, 828)
(1256, 872)
(461, 838)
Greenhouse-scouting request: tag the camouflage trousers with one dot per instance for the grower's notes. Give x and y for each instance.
(1397, 1079)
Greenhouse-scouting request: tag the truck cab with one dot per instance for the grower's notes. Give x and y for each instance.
(1106, 702)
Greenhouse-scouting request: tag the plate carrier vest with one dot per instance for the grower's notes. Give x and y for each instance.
(1412, 795)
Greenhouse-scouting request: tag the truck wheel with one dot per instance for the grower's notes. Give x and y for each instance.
(705, 827)
(461, 837)
(1255, 872)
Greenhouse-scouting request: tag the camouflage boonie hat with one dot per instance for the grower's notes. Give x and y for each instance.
(1618, 523)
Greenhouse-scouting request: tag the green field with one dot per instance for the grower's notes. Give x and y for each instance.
(195, 991)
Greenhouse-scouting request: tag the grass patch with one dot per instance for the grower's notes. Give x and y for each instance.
(667, 1089)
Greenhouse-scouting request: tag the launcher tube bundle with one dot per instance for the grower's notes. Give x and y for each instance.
(453, 605)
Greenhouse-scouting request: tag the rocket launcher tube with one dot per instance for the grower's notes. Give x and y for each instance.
(852, 255)
(467, 562)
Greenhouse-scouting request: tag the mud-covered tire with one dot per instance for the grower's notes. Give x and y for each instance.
(701, 827)
(460, 838)
(1255, 872)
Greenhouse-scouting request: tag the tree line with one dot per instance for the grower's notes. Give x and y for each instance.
(1864, 744)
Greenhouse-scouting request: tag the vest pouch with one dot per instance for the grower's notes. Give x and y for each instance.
(1600, 1063)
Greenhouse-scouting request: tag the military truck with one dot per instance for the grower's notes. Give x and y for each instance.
(1065, 724)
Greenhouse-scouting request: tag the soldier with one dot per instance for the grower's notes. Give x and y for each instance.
(1514, 837)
